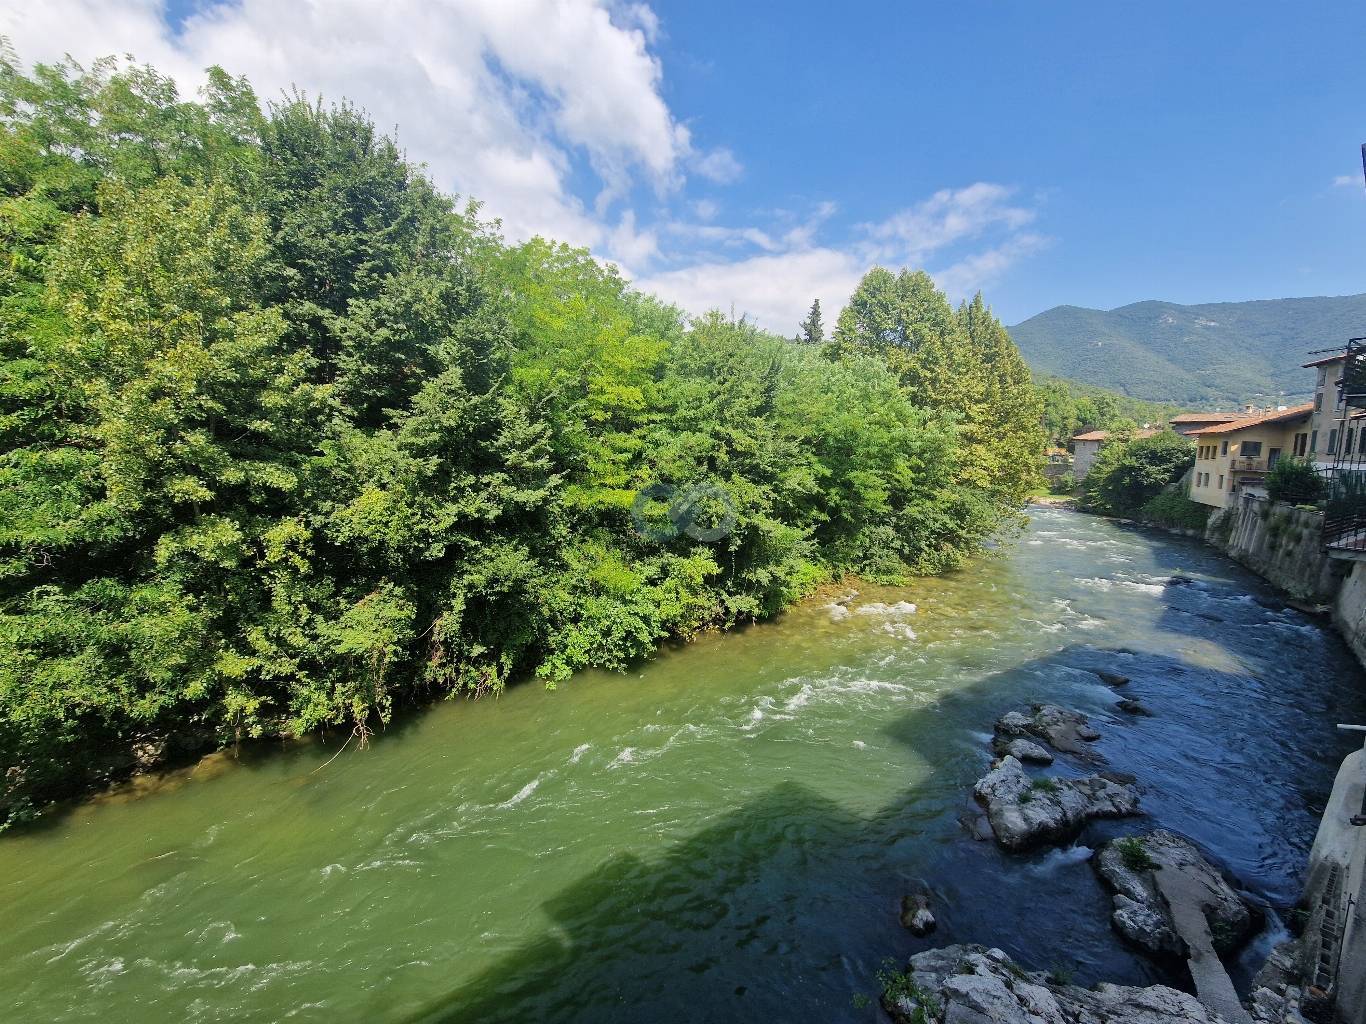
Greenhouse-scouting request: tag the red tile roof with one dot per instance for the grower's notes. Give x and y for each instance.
(1277, 416)
(1104, 435)
(1206, 417)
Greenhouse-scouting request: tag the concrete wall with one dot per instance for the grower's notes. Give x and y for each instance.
(1335, 898)
(1349, 610)
(1283, 545)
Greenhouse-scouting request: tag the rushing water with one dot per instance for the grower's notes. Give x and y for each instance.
(724, 834)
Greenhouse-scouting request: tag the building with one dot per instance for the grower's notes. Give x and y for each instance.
(1335, 429)
(1085, 448)
(1236, 456)
(1188, 424)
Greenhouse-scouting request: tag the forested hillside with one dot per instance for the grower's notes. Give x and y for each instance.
(1216, 355)
(289, 438)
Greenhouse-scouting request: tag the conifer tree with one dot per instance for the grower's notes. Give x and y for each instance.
(811, 331)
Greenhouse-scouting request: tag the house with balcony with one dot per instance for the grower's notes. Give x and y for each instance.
(1234, 457)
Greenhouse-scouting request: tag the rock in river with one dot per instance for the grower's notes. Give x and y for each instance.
(1025, 812)
(1141, 914)
(1110, 678)
(915, 912)
(1024, 750)
(1062, 729)
(976, 985)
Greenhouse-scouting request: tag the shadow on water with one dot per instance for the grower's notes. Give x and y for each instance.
(791, 901)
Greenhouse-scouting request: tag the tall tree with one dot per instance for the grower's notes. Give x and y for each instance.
(1011, 417)
(811, 331)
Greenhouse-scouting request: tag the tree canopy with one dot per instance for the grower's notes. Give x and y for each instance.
(289, 438)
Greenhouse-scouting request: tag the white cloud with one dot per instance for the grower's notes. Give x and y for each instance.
(706, 209)
(1348, 181)
(720, 165)
(497, 97)
(512, 101)
(948, 216)
(774, 291)
(775, 285)
(975, 272)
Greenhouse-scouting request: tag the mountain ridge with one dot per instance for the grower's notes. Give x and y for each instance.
(1208, 354)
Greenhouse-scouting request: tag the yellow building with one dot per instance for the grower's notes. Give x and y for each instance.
(1234, 457)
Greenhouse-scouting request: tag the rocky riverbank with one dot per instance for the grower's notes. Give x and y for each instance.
(976, 985)
(1168, 900)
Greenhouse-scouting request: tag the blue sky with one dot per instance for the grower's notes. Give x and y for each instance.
(755, 155)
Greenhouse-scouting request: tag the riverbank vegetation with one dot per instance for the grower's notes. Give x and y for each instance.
(288, 437)
(1130, 473)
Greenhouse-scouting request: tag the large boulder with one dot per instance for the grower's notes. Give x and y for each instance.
(1061, 728)
(1141, 913)
(976, 985)
(1025, 812)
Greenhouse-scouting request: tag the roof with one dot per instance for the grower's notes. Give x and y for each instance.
(1206, 417)
(1104, 435)
(1279, 416)
(1325, 360)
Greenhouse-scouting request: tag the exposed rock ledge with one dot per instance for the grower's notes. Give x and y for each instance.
(1141, 914)
(976, 985)
(1025, 812)
(1063, 730)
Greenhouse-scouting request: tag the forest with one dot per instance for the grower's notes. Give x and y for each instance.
(290, 439)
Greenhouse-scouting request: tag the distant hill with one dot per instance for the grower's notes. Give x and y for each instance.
(1220, 354)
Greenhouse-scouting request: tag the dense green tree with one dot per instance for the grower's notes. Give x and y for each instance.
(811, 331)
(962, 362)
(288, 439)
(1129, 473)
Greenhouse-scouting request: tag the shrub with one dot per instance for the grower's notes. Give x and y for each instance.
(1127, 474)
(1135, 855)
(1173, 509)
(1065, 484)
(1294, 481)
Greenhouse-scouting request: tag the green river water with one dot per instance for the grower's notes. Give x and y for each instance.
(722, 834)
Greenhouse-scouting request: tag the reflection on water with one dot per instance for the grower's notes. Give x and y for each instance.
(724, 833)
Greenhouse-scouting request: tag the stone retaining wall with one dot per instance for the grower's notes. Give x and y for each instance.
(1282, 544)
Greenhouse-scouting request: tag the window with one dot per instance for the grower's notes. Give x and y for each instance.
(1313, 442)
(1221, 481)
(1323, 375)
(1318, 402)
(1250, 449)
(1301, 442)
(1223, 448)
(1347, 445)
(1332, 441)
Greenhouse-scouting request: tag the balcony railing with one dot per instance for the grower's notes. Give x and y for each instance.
(1244, 464)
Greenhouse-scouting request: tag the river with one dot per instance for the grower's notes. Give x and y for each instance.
(722, 834)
